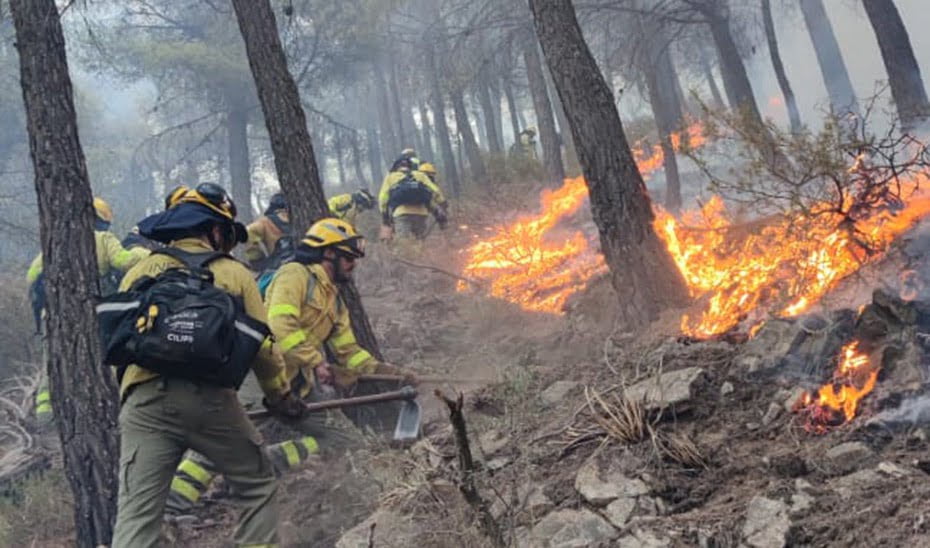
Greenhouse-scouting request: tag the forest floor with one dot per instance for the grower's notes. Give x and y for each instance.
(726, 464)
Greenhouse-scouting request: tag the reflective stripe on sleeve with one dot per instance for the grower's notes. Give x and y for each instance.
(358, 359)
(345, 339)
(283, 310)
(293, 340)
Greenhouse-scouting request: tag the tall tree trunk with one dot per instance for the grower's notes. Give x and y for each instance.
(427, 132)
(495, 144)
(642, 272)
(290, 140)
(552, 154)
(375, 163)
(403, 132)
(907, 86)
(661, 82)
(494, 89)
(240, 171)
(390, 146)
(512, 107)
(438, 107)
(478, 172)
(357, 163)
(340, 159)
(735, 79)
(712, 83)
(565, 134)
(794, 116)
(832, 66)
(82, 388)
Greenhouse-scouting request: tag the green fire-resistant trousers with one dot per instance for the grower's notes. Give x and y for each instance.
(328, 432)
(410, 226)
(159, 421)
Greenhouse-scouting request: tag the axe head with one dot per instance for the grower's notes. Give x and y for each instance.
(408, 422)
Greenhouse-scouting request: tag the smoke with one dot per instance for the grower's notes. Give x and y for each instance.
(912, 411)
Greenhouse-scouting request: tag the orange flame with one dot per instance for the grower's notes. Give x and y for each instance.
(784, 265)
(530, 265)
(837, 401)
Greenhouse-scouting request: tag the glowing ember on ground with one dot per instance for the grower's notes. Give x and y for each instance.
(837, 401)
(537, 266)
(782, 266)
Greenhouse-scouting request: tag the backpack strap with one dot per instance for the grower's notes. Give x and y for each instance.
(193, 261)
(285, 228)
(311, 285)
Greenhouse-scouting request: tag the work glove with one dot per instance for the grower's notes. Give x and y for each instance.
(287, 406)
(441, 219)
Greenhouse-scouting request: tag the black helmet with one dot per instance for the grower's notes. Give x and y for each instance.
(364, 199)
(277, 203)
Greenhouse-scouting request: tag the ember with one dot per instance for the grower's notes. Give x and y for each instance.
(837, 401)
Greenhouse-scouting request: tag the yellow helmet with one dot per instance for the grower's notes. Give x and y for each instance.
(333, 232)
(211, 195)
(428, 168)
(174, 197)
(104, 213)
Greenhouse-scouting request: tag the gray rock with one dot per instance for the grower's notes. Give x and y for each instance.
(571, 529)
(391, 530)
(771, 414)
(643, 539)
(557, 392)
(492, 441)
(531, 504)
(602, 488)
(801, 502)
(847, 457)
(619, 511)
(766, 523)
(773, 341)
(665, 390)
(726, 388)
(846, 486)
(892, 469)
(792, 398)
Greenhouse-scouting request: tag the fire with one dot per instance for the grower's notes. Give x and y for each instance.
(532, 263)
(837, 401)
(782, 265)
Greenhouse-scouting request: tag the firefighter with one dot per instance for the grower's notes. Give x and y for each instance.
(407, 198)
(111, 255)
(348, 206)
(266, 231)
(163, 416)
(306, 314)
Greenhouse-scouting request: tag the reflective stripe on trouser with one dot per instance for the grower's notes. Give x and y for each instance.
(43, 402)
(190, 482)
(159, 421)
(291, 454)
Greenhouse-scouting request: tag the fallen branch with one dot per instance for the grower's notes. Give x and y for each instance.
(467, 467)
(472, 281)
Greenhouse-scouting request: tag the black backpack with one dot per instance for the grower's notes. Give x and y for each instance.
(409, 191)
(179, 324)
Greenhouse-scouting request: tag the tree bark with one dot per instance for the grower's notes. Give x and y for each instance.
(290, 139)
(565, 134)
(427, 132)
(240, 171)
(357, 163)
(735, 79)
(907, 86)
(494, 89)
(340, 161)
(495, 144)
(512, 107)
(83, 390)
(375, 162)
(832, 66)
(390, 146)
(712, 83)
(552, 154)
(642, 272)
(794, 116)
(666, 108)
(437, 105)
(478, 171)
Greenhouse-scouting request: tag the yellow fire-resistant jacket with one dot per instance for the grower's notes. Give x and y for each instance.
(343, 207)
(305, 312)
(395, 177)
(230, 276)
(110, 255)
(263, 235)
